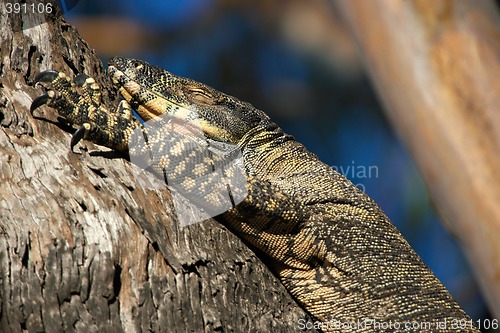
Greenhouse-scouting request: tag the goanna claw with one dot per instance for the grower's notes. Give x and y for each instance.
(40, 100)
(46, 76)
(78, 136)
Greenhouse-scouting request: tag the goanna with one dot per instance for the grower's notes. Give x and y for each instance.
(331, 246)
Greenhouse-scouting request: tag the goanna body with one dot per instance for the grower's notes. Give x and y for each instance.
(331, 246)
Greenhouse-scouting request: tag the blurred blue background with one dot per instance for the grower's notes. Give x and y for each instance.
(296, 61)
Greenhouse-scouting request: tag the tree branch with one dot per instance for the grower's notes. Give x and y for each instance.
(83, 245)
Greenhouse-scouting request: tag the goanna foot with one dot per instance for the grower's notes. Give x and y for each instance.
(68, 97)
(79, 103)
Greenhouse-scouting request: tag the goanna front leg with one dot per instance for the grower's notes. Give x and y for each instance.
(79, 102)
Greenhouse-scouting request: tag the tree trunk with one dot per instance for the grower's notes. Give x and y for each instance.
(83, 246)
(436, 65)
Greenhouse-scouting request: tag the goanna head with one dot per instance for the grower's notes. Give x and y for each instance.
(153, 92)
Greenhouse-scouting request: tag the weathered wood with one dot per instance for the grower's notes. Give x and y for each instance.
(83, 247)
(436, 65)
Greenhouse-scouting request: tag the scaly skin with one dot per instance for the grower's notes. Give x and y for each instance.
(331, 246)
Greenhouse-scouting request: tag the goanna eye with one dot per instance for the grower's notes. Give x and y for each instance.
(137, 65)
(202, 96)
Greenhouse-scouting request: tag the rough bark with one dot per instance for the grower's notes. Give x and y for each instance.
(436, 65)
(83, 247)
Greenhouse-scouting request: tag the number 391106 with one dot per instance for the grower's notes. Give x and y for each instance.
(25, 8)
